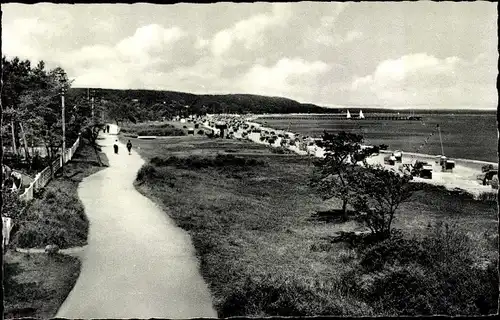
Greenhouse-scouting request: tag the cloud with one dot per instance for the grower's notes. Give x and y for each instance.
(424, 79)
(27, 35)
(148, 41)
(353, 35)
(250, 32)
(288, 77)
(332, 53)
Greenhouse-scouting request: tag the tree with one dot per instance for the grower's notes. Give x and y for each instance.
(119, 110)
(15, 81)
(90, 126)
(42, 108)
(331, 177)
(378, 192)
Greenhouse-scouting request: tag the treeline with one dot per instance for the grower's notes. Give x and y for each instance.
(32, 113)
(150, 104)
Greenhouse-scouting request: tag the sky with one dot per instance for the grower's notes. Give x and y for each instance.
(384, 54)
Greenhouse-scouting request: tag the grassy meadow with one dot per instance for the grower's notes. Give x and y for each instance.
(37, 284)
(148, 129)
(263, 251)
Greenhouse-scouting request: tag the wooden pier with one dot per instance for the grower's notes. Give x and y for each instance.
(336, 117)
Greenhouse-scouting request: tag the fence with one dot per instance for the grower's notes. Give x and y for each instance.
(43, 177)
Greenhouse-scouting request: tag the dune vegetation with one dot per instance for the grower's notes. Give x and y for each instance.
(263, 224)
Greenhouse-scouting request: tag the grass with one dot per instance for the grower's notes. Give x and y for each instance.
(37, 284)
(140, 129)
(56, 215)
(256, 224)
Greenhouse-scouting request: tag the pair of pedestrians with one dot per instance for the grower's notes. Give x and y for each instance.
(129, 146)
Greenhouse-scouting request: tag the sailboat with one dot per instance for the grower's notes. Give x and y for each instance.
(361, 116)
(348, 115)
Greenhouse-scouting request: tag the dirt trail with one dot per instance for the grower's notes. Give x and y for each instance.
(137, 263)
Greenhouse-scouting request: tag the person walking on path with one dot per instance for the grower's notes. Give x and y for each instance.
(129, 146)
(154, 273)
(115, 146)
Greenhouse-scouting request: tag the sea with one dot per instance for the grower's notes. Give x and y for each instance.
(464, 135)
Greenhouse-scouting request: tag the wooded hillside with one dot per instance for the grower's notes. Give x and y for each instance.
(150, 104)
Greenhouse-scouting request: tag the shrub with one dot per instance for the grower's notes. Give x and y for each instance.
(56, 216)
(148, 171)
(396, 249)
(201, 132)
(488, 196)
(12, 206)
(433, 274)
(278, 295)
(280, 150)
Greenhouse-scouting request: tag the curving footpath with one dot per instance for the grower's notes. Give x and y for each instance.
(137, 263)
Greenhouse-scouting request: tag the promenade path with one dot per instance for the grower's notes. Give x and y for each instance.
(137, 263)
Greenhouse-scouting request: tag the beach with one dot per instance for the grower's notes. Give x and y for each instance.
(463, 176)
(464, 135)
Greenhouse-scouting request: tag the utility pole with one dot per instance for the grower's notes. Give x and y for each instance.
(92, 101)
(63, 132)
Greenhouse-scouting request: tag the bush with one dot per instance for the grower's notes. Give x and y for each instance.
(280, 150)
(278, 295)
(396, 249)
(433, 274)
(488, 196)
(148, 171)
(12, 206)
(56, 216)
(201, 132)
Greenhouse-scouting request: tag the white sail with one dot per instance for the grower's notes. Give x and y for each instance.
(361, 116)
(348, 115)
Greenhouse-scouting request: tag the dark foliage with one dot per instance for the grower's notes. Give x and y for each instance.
(151, 105)
(433, 274)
